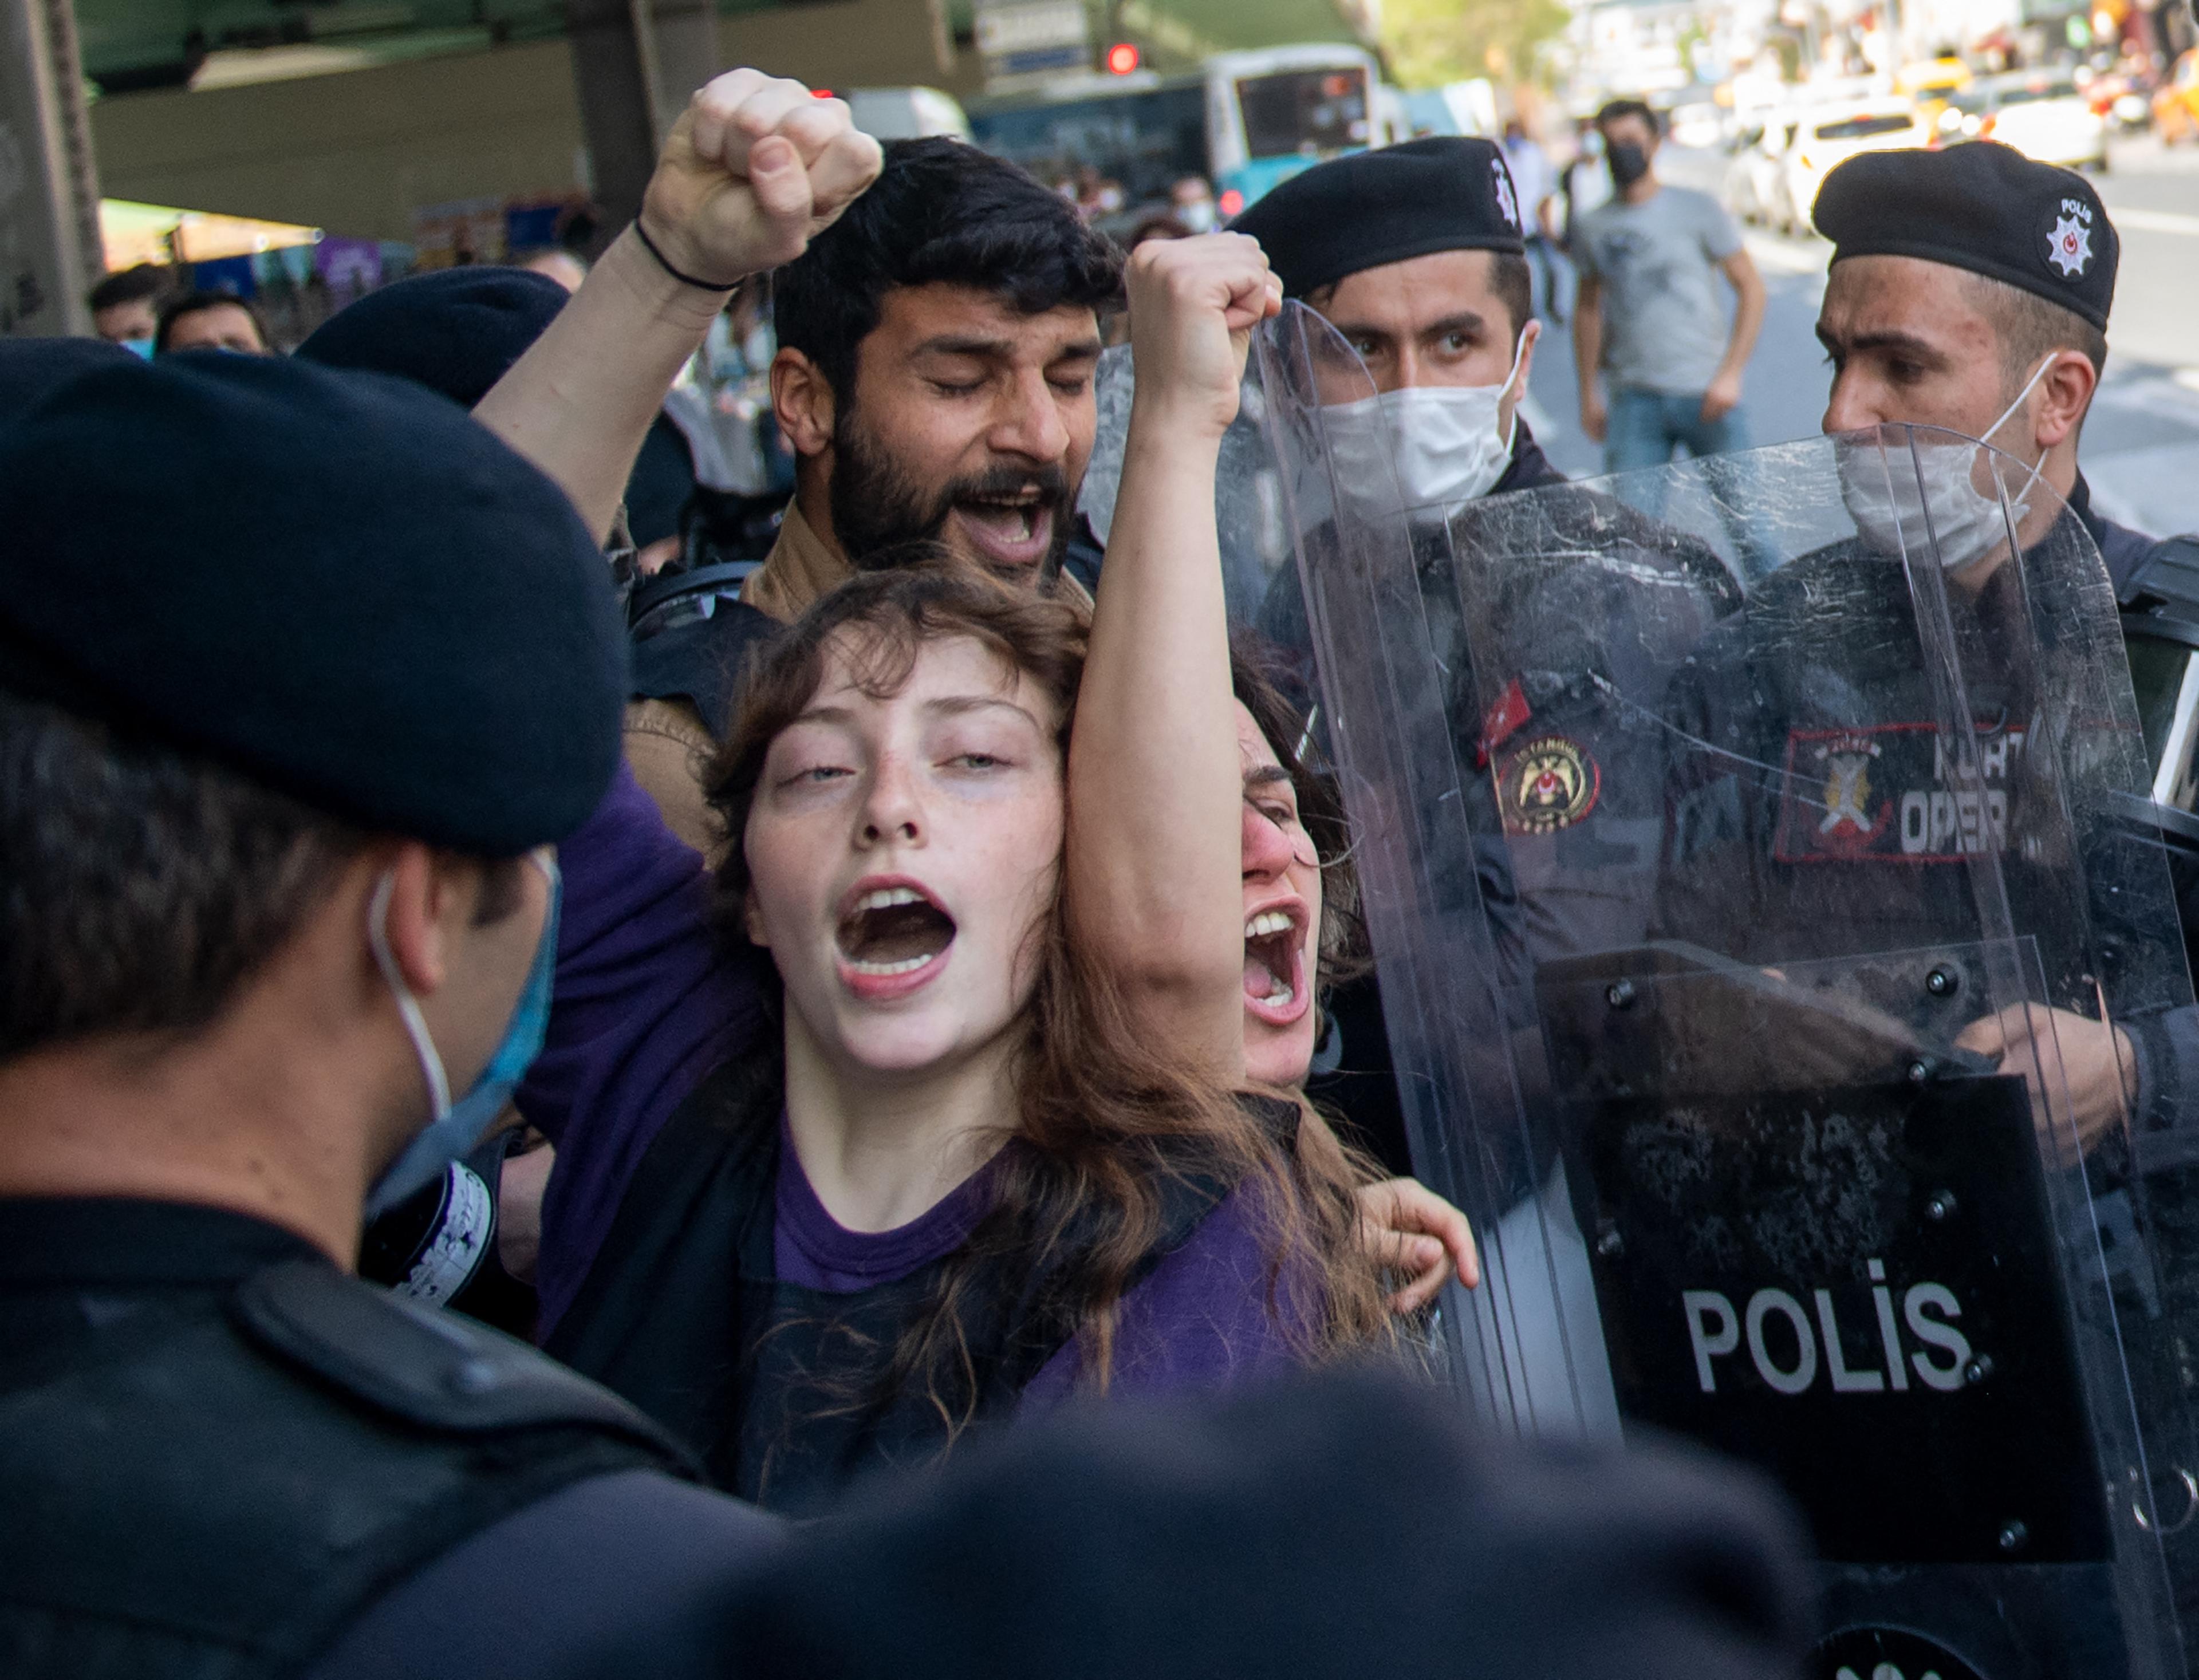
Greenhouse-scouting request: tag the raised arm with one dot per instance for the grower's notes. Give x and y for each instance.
(1153, 859)
(754, 168)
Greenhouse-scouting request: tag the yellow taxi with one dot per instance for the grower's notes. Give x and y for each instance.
(2176, 105)
(1928, 83)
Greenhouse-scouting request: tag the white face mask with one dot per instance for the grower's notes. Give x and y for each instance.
(1422, 445)
(1965, 523)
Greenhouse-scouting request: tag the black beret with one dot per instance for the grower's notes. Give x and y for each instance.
(335, 583)
(1982, 206)
(457, 330)
(31, 367)
(1441, 194)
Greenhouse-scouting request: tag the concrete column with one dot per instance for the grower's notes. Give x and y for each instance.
(49, 246)
(635, 63)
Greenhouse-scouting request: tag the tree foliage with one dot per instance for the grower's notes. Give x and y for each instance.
(1431, 42)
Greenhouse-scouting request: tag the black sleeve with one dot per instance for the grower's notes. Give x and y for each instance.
(624, 1574)
(1346, 1527)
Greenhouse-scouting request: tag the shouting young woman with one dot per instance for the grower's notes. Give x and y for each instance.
(997, 1153)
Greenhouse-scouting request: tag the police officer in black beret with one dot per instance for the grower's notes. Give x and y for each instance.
(269, 820)
(1970, 289)
(1415, 254)
(302, 674)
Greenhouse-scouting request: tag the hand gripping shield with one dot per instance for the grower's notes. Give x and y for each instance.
(1775, 974)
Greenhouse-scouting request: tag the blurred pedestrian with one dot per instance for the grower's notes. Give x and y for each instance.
(1191, 202)
(210, 321)
(1647, 319)
(125, 306)
(1535, 182)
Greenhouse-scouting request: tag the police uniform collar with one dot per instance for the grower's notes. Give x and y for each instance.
(2080, 502)
(85, 1239)
(1530, 469)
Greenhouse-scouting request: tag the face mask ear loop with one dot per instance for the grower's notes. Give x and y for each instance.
(408, 1006)
(1519, 355)
(2009, 414)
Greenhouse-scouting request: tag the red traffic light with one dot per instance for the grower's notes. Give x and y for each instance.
(1122, 59)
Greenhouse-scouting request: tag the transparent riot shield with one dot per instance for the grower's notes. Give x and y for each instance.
(1248, 505)
(1775, 974)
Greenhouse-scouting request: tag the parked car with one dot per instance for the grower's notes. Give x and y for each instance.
(1751, 190)
(2042, 113)
(2176, 103)
(1830, 135)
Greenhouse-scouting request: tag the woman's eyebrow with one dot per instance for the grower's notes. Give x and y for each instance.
(1265, 775)
(956, 705)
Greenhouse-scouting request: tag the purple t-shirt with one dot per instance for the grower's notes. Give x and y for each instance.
(1198, 1321)
(649, 1000)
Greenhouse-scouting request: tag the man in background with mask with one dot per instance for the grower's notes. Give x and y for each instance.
(1646, 317)
(1415, 255)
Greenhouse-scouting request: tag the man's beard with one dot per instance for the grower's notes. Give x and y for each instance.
(881, 516)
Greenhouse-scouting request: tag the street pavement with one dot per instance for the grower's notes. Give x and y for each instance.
(2141, 445)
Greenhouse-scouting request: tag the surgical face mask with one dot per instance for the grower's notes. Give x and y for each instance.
(1965, 523)
(1628, 162)
(1197, 214)
(1423, 445)
(138, 346)
(456, 1129)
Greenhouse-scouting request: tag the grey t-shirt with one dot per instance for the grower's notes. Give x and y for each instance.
(1665, 324)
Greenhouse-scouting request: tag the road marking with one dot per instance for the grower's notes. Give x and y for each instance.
(2156, 221)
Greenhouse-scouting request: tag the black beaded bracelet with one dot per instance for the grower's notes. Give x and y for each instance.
(650, 246)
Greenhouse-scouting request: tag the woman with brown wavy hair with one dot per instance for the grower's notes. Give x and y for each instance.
(998, 1157)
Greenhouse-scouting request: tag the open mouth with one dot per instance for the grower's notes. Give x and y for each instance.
(1009, 531)
(1275, 990)
(893, 932)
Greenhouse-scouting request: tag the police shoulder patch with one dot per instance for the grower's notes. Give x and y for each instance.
(1550, 783)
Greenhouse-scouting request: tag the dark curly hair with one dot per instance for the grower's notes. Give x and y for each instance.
(940, 212)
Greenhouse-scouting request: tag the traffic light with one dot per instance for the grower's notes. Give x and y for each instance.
(1121, 58)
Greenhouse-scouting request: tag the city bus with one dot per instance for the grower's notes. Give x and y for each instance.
(1272, 112)
(1245, 120)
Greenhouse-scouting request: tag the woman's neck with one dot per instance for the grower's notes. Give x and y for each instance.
(882, 1150)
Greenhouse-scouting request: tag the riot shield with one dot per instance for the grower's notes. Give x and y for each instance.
(1773, 975)
(1248, 508)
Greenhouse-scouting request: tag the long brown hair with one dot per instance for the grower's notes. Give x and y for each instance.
(1108, 1120)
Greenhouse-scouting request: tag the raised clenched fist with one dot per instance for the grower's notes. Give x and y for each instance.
(756, 168)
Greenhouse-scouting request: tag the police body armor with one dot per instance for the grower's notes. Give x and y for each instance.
(278, 1456)
(1791, 1165)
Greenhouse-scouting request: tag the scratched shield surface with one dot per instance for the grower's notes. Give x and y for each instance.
(1748, 848)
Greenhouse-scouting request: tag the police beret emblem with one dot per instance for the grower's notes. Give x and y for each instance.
(1549, 784)
(1507, 201)
(2069, 246)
